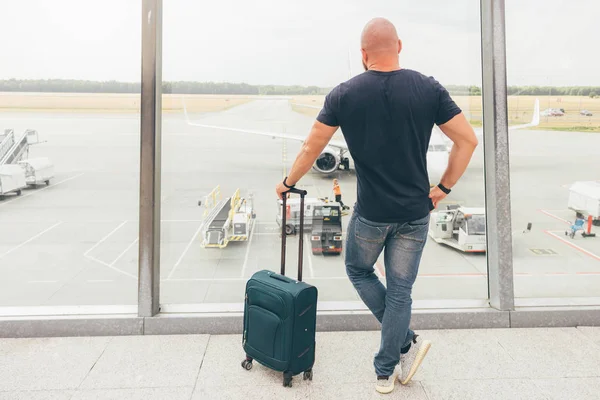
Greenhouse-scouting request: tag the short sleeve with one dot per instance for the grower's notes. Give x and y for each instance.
(447, 108)
(329, 114)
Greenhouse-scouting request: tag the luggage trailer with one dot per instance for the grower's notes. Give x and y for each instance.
(228, 220)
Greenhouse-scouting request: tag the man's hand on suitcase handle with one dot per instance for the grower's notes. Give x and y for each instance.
(283, 189)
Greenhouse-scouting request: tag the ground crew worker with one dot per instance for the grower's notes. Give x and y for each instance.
(338, 194)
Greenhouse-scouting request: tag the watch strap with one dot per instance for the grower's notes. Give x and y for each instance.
(286, 185)
(444, 188)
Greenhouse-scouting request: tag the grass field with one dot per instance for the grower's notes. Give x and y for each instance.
(103, 102)
(520, 110)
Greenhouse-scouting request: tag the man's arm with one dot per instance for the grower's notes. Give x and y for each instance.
(312, 147)
(462, 135)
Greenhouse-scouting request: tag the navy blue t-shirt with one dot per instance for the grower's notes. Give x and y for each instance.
(387, 119)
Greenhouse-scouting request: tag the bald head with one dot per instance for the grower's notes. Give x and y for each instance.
(380, 43)
(379, 34)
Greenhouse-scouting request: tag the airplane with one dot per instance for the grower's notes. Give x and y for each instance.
(333, 156)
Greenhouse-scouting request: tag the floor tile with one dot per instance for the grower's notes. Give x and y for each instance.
(489, 389)
(570, 388)
(171, 393)
(48, 363)
(148, 361)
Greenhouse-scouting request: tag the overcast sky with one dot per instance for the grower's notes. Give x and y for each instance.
(307, 42)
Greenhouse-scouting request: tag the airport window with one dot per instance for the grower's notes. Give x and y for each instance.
(554, 165)
(69, 151)
(239, 134)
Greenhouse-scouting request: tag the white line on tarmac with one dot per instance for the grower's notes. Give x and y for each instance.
(107, 265)
(104, 239)
(247, 251)
(111, 266)
(573, 245)
(30, 239)
(124, 251)
(184, 252)
(39, 190)
(311, 271)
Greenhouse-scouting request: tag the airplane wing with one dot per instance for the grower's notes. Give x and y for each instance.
(308, 106)
(535, 120)
(340, 144)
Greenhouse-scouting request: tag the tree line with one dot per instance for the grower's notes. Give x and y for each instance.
(178, 87)
(231, 88)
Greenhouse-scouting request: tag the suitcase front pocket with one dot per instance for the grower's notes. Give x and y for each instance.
(264, 332)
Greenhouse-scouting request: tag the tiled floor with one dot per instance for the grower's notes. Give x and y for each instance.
(528, 364)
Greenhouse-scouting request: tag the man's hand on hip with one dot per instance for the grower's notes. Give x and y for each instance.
(436, 195)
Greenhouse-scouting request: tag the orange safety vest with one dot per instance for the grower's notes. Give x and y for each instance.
(336, 190)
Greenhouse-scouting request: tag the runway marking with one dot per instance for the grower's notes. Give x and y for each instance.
(548, 213)
(42, 189)
(247, 251)
(581, 249)
(284, 157)
(110, 266)
(104, 238)
(184, 252)
(124, 251)
(311, 271)
(30, 239)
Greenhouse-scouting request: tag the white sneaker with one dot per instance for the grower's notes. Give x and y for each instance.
(386, 385)
(411, 361)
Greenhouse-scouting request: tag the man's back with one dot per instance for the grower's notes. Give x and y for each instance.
(387, 119)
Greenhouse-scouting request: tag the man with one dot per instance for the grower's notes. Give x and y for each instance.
(338, 194)
(387, 115)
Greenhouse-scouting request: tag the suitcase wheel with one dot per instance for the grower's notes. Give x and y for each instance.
(287, 379)
(247, 364)
(308, 374)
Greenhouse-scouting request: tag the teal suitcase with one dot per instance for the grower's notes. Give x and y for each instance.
(280, 316)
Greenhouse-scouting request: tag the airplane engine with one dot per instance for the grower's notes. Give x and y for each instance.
(327, 162)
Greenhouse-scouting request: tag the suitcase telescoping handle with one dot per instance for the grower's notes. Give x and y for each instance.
(302, 193)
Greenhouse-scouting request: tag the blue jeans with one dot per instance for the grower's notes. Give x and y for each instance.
(403, 244)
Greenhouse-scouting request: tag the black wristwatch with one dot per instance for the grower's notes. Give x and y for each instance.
(286, 185)
(444, 188)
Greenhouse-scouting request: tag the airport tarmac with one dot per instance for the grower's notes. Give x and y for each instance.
(74, 243)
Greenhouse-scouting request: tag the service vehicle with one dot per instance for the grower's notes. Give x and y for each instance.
(584, 199)
(12, 179)
(462, 228)
(37, 170)
(293, 213)
(326, 235)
